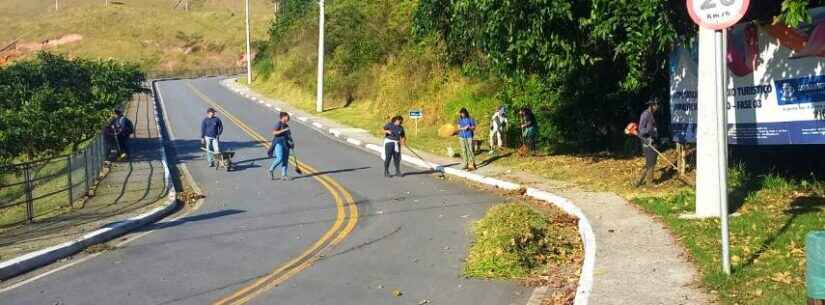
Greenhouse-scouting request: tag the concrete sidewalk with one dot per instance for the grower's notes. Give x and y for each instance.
(129, 188)
(637, 261)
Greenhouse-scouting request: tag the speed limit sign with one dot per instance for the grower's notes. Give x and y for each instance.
(717, 14)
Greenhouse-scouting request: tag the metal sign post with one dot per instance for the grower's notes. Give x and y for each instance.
(714, 17)
(416, 115)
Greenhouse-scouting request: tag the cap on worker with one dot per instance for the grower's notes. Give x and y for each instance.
(210, 110)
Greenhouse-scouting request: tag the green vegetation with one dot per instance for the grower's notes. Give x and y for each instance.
(585, 67)
(151, 33)
(514, 241)
(773, 215)
(51, 103)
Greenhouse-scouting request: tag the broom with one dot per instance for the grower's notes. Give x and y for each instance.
(295, 160)
(438, 169)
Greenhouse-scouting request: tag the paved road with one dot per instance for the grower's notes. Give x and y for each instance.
(265, 242)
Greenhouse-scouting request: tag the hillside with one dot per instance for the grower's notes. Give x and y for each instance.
(151, 33)
(586, 73)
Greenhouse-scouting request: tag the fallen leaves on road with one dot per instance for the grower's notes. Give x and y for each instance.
(99, 248)
(189, 198)
(397, 292)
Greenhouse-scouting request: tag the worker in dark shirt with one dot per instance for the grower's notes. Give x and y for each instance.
(529, 128)
(394, 138)
(121, 128)
(648, 133)
(281, 144)
(211, 130)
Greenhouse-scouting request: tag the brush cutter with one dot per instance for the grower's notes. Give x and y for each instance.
(632, 129)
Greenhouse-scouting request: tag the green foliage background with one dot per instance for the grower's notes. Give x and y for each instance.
(51, 103)
(585, 67)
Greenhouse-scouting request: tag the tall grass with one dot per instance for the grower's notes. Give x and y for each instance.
(148, 32)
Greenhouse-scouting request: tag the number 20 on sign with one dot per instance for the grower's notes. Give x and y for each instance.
(717, 14)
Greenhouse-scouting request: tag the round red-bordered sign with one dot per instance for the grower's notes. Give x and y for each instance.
(717, 14)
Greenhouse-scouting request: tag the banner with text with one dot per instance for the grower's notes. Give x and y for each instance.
(776, 87)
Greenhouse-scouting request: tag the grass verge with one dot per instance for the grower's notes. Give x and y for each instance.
(767, 233)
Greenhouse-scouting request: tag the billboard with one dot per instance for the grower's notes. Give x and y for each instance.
(776, 84)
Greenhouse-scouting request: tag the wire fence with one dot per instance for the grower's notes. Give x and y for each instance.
(41, 188)
(216, 71)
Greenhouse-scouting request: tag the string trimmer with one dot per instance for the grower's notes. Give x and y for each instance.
(632, 129)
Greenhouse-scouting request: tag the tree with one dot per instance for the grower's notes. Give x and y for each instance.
(51, 103)
(586, 66)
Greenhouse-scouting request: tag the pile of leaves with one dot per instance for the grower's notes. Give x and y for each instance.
(514, 241)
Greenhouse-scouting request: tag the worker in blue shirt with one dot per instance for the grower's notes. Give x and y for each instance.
(648, 133)
(466, 131)
(211, 130)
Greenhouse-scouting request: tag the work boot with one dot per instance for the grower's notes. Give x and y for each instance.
(387, 174)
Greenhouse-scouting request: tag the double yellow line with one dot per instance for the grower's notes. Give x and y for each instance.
(347, 212)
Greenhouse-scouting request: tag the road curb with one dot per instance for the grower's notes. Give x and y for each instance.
(585, 229)
(33, 260)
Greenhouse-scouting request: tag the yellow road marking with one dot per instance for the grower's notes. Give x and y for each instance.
(341, 196)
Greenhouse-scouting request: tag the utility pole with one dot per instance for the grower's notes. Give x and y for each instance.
(319, 102)
(248, 48)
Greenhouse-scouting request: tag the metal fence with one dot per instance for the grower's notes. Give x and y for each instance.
(41, 188)
(217, 71)
(47, 187)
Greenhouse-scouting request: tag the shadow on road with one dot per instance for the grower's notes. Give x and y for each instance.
(332, 172)
(201, 217)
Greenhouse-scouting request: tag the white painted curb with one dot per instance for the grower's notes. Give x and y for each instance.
(30, 261)
(355, 142)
